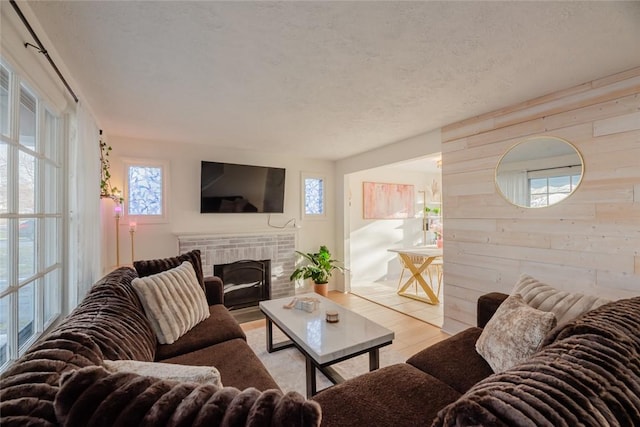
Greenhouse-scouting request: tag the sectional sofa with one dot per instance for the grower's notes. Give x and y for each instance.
(61, 379)
(587, 372)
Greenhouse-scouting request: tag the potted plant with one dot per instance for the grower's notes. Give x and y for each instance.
(428, 211)
(437, 229)
(318, 267)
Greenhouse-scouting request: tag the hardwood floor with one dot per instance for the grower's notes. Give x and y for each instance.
(412, 335)
(384, 293)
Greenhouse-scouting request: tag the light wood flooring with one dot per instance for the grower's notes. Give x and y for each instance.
(411, 335)
(384, 293)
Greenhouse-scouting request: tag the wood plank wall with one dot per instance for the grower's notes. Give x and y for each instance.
(589, 243)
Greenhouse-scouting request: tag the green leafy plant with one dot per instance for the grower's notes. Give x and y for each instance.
(429, 210)
(106, 189)
(318, 266)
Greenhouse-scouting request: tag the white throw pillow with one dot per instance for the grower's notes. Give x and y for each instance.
(173, 301)
(513, 334)
(166, 371)
(565, 305)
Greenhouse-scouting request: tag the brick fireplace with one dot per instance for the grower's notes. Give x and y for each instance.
(278, 247)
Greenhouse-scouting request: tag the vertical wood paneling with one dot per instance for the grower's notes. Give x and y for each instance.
(589, 243)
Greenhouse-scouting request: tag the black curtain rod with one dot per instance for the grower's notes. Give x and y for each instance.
(557, 167)
(41, 48)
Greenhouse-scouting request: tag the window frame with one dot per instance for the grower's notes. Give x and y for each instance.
(303, 196)
(146, 219)
(47, 214)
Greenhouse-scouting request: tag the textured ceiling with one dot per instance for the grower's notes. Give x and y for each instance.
(326, 79)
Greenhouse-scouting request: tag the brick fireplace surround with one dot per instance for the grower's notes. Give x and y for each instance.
(279, 247)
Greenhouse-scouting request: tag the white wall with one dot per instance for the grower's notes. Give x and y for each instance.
(370, 238)
(183, 201)
(411, 148)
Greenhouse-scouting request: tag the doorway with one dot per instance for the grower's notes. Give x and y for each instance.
(375, 272)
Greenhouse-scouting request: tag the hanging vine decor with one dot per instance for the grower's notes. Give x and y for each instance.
(106, 189)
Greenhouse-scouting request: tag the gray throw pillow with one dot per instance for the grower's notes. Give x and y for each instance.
(565, 305)
(513, 334)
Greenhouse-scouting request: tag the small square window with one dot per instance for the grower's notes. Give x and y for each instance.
(145, 196)
(313, 195)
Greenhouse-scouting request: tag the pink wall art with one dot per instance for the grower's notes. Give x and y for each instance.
(387, 201)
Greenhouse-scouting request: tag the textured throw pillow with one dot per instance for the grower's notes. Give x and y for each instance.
(513, 334)
(565, 305)
(173, 301)
(167, 371)
(155, 266)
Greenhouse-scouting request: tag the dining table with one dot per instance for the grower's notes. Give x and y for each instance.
(426, 255)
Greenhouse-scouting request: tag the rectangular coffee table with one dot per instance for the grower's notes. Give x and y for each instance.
(324, 344)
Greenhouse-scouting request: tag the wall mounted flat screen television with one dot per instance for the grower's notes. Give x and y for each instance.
(233, 188)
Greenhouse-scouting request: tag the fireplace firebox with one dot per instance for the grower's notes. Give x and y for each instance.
(246, 282)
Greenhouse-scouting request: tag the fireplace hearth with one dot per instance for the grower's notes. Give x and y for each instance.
(246, 282)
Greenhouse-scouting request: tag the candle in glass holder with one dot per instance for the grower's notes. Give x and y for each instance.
(332, 316)
(132, 226)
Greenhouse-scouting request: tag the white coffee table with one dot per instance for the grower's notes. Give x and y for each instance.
(322, 343)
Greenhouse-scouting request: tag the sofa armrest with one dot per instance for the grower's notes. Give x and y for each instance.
(487, 306)
(214, 289)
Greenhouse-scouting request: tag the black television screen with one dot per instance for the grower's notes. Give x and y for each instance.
(232, 188)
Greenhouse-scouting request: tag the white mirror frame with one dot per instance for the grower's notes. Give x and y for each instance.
(516, 190)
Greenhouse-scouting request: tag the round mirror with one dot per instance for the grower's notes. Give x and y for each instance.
(539, 172)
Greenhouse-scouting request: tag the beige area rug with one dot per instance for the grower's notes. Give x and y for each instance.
(288, 366)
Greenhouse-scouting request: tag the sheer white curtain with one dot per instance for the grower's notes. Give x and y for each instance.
(85, 236)
(515, 187)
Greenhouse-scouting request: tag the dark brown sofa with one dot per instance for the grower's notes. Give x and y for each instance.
(110, 324)
(586, 373)
(412, 393)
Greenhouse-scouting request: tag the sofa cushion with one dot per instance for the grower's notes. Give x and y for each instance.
(513, 334)
(218, 327)
(166, 371)
(454, 361)
(173, 301)
(589, 375)
(395, 396)
(108, 323)
(237, 363)
(28, 387)
(92, 396)
(564, 305)
(154, 266)
(113, 316)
